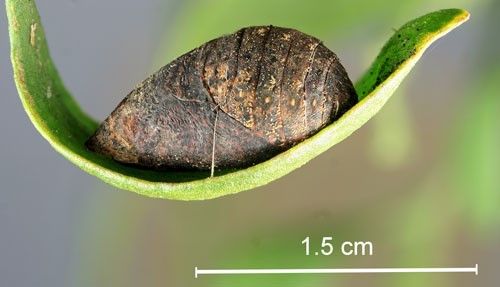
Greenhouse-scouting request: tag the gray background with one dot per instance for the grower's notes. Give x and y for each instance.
(42, 194)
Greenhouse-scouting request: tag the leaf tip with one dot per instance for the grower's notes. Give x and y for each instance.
(456, 16)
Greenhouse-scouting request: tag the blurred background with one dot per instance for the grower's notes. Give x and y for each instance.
(420, 180)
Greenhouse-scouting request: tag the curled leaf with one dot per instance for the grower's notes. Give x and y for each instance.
(66, 127)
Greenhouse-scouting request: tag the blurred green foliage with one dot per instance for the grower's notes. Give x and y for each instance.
(199, 21)
(393, 141)
(475, 158)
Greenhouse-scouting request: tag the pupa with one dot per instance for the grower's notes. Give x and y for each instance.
(233, 102)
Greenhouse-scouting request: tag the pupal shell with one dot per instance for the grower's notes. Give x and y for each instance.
(237, 100)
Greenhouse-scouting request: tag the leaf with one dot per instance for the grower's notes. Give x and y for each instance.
(65, 126)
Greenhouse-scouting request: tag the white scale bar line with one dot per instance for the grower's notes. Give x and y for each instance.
(197, 271)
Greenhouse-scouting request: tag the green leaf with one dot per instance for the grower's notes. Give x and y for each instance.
(65, 126)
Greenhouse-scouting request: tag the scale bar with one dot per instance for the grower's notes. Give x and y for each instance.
(198, 272)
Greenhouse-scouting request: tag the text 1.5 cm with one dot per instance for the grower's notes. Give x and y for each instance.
(327, 246)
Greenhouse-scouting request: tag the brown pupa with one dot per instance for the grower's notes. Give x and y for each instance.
(231, 103)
